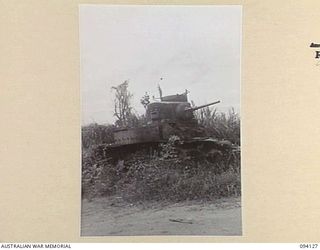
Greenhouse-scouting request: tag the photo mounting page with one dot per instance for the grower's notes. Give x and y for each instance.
(160, 98)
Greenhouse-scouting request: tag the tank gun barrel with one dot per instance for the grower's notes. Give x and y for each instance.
(202, 106)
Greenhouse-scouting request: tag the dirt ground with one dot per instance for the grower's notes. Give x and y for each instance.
(111, 216)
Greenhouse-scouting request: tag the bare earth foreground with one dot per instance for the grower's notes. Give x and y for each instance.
(103, 217)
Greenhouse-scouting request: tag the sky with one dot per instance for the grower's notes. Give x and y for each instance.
(190, 47)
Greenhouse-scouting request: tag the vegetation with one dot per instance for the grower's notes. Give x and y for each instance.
(220, 125)
(162, 176)
(144, 179)
(123, 110)
(95, 134)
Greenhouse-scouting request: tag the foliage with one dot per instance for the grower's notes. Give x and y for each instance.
(122, 105)
(145, 100)
(162, 176)
(168, 150)
(95, 134)
(220, 125)
(154, 178)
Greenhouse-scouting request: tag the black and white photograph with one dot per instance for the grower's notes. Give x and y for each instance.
(160, 120)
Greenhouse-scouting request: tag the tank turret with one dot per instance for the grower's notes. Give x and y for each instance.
(173, 111)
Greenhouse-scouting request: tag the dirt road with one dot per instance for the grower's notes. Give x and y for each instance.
(102, 217)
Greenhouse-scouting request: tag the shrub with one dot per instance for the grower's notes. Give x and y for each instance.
(157, 178)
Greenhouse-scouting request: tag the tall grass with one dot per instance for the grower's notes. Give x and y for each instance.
(220, 125)
(95, 134)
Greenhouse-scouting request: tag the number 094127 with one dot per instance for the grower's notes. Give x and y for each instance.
(304, 245)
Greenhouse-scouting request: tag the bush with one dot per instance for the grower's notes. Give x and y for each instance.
(158, 178)
(177, 181)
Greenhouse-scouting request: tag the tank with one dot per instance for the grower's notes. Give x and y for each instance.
(170, 117)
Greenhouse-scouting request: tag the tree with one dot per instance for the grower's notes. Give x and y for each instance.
(145, 100)
(122, 105)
